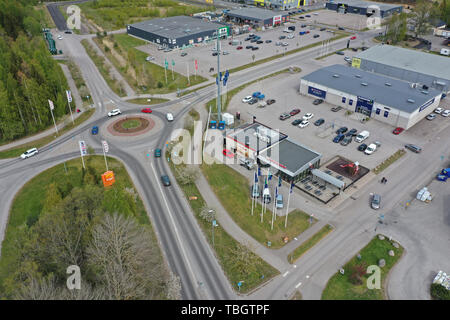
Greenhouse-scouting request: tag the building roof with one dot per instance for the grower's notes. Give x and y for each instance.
(387, 91)
(254, 13)
(366, 4)
(408, 59)
(290, 157)
(328, 178)
(177, 27)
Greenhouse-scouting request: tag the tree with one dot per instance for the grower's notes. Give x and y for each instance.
(207, 214)
(187, 175)
(396, 28)
(421, 17)
(445, 11)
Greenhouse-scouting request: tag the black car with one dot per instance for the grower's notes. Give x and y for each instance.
(308, 16)
(253, 101)
(319, 122)
(68, 31)
(259, 41)
(351, 133)
(268, 41)
(165, 180)
(323, 29)
(248, 47)
(336, 109)
(253, 40)
(282, 37)
(302, 17)
(255, 48)
(270, 101)
(296, 122)
(341, 130)
(413, 148)
(362, 147)
(317, 101)
(316, 36)
(215, 54)
(247, 39)
(303, 26)
(340, 28)
(341, 53)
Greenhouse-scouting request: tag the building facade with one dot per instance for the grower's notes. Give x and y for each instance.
(257, 17)
(363, 7)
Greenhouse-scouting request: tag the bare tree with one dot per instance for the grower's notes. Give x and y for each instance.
(188, 174)
(207, 213)
(245, 262)
(420, 18)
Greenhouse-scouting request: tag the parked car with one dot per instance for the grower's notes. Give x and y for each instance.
(29, 153)
(270, 101)
(316, 35)
(303, 124)
(346, 140)
(445, 113)
(438, 110)
(375, 203)
(68, 31)
(255, 48)
(167, 50)
(247, 99)
(259, 41)
(146, 110)
(341, 53)
(336, 109)
(341, 130)
(160, 48)
(348, 60)
(431, 116)
(247, 163)
(362, 147)
(183, 54)
(351, 133)
(284, 44)
(294, 112)
(413, 148)
(165, 180)
(94, 130)
(253, 101)
(398, 130)
(253, 40)
(363, 135)
(248, 47)
(317, 101)
(296, 122)
(323, 29)
(303, 26)
(308, 116)
(266, 196)
(371, 148)
(278, 43)
(319, 122)
(279, 201)
(338, 138)
(268, 41)
(284, 116)
(281, 37)
(353, 38)
(157, 153)
(290, 36)
(247, 39)
(225, 53)
(114, 112)
(239, 48)
(227, 153)
(149, 58)
(169, 117)
(340, 28)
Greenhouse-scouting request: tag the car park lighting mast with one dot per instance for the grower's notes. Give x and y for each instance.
(287, 208)
(219, 118)
(254, 187)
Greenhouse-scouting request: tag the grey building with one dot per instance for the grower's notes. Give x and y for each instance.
(425, 69)
(257, 17)
(179, 31)
(396, 102)
(363, 7)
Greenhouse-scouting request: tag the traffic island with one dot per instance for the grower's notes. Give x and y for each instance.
(131, 126)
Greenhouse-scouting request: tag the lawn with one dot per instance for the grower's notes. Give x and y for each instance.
(141, 75)
(129, 124)
(144, 101)
(386, 163)
(17, 151)
(233, 191)
(308, 244)
(339, 286)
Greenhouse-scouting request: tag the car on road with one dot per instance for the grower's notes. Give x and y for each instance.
(303, 124)
(323, 29)
(438, 110)
(340, 28)
(227, 153)
(248, 47)
(270, 101)
(157, 153)
(149, 58)
(341, 130)
(60, 37)
(68, 31)
(284, 116)
(284, 44)
(317, 101)
(225, 53)
(294, 112)
(259, 42)
(353, 38)
(346, 140)
(336, 109)
(169, 117)
(371, 148)
(351, 133)
(341, 53)
(146, 110)
(268, 41)
(362, 147)
(165, 180)
(348, 60)
(431, 116)
(319, 122)
(247, 99)
(375, 203)
(338, 138)
(183, 54)
(94, 130)
(296, 122)
(308, 116)
(114, 112)
(316, 35)
(398, 130)
(29, 153)
(239, 48)
(413, 148)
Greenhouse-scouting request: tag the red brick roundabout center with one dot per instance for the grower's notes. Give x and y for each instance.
(131, 126)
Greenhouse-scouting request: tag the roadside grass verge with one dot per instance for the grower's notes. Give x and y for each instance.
(297, 296)
(254, 272)
(226, 98)
(329, 54)
(308, 244)
(104, 69)
(352, 285)
(183, 93)
(144, 101)
(233, 191)
(17, 151)
(79, 82)
(386, 163)
(46, 19)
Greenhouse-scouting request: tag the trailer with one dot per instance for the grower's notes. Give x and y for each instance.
(424, 195)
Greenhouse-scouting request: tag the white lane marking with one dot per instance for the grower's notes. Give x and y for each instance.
(295, 239)
(298, 285)
(285, 274)
(175, 227)
(295, 266)
(307, 277)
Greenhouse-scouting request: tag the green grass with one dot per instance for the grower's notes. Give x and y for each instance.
(308, 244)
(233, 191)
(79, 82)
(144, 101)
(29, 202)
(339, 286)
(46, 19)
(129, 124)
(296, 296)
(150, 77)
(17, 151)
(386, 163)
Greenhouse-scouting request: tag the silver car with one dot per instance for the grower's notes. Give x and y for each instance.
(376, 199)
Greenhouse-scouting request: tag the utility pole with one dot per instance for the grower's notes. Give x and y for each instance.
(219, 117)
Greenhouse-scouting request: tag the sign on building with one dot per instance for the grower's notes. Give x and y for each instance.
(356, 63)
(317, 92)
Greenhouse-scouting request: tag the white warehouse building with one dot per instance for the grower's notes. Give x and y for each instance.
(392, 101)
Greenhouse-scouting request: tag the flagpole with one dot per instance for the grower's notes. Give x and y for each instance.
(187, 66)
(172, 71)
(273, 210)
(287, 209)
(68, 102)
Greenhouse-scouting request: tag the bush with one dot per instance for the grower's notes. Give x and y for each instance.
(160, 85)
(438, 292)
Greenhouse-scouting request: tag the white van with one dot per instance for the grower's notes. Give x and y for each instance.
(169, 116)
(363, 135)
(445, 52)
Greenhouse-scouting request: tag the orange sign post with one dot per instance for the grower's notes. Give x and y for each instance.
(108, 178)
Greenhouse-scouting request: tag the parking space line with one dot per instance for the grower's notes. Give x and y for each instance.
(285, 274)
(298, 285)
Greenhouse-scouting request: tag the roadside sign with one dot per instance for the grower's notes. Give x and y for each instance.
(196, 65)
(214, 223)
(105, 146)
(50, 103)
(166, 63)
(69, 96)
(83, 149)
(173, 62)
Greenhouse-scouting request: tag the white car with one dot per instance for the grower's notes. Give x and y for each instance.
(290, 36)
(284, 44)
(225, 53)
(308, 116)
(371, 148)
(247, 99)
(438, 110)
(169, 116)
(303, 124)
(114, 112)
(60, 37)
(149, 58)
(445, 113)
(29, 153)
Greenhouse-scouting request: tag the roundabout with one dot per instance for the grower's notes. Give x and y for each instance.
(131, 126)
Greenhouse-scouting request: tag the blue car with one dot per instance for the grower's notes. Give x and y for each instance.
(338, 138)
(94, 130)
(256, 94)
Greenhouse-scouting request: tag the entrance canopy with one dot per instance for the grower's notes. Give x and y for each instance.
(328, 178)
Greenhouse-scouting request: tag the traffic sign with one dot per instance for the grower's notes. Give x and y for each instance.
(69, 96)
(83, 149)
(105, 146)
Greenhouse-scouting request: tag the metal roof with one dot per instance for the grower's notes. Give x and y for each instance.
(254, 13)
(366, 4)
(328, 178)
(176, 27)
(382, 89)
(408, 59)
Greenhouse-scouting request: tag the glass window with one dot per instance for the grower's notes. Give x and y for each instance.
(378, 111)
(386, 113)
(350, 102)
(343, 99)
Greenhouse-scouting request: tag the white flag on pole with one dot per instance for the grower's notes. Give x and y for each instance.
(83, 149)
(69, 96)
(105, 146)
(50, 102)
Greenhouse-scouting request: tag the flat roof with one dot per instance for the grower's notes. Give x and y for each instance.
(176, 27)
(293, 157)
(366, 4)
(254, 13)
(408, 59)
(387, 91)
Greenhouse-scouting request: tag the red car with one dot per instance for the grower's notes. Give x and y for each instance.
(239, 48)
(398, 130)
(228, 153)
(294, 112)
(353, 38)
(146, 110)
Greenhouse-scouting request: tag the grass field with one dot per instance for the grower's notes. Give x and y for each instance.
(17, 151)
(386, 163)
(339, 287)
(141, 75)
(308, 244)
(233, 191)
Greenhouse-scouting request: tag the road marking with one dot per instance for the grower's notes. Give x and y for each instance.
(307, 277)
(298, 285)
(295, 266)
(285, 274)
(295, 239)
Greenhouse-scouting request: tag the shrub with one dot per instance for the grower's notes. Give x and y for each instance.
(160, 85)
(439, 292)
